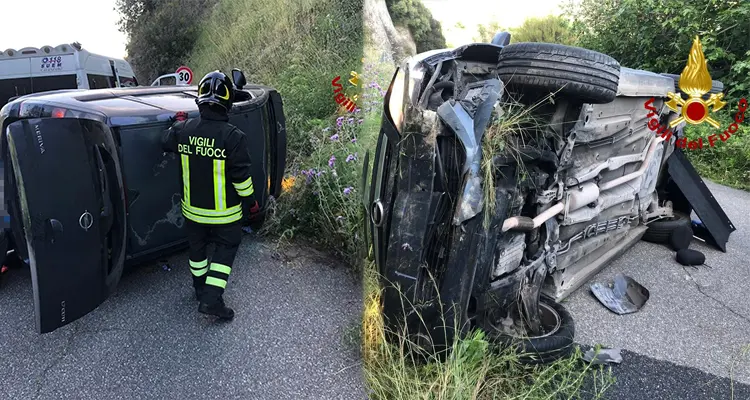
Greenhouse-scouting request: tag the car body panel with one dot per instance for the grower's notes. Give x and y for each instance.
(86, 217)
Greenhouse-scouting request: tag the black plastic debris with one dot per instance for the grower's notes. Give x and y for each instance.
(681, 238)
(623, 296)
(689, 257)
(603, 356)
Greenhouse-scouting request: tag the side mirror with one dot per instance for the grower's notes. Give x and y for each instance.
(239, 78)
(501, 39)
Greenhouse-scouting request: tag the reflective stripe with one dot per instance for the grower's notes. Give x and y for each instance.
(245, 193)
(185, 179)
(201, 219)
(198, 268)
(220, 198)
(244, 186)
(221, 268)
(204, 212)
(210, 280)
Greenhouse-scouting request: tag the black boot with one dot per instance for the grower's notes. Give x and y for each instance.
(217, 309)
(199, 284)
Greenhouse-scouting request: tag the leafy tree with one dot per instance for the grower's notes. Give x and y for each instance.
(549, 29)
(487, 32)
(425, 29)
(657, 34)
(161, 33)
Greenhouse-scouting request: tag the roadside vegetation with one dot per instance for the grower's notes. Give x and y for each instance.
(412, 14)
(665, 31)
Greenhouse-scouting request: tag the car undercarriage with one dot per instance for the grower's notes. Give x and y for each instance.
(505, 177)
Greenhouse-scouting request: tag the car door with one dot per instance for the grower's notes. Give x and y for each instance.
(65, 182)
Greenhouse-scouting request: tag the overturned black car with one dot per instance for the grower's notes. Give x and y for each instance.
(89, 190)
(505, 176)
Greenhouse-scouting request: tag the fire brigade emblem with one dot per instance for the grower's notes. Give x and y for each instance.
(695, 81)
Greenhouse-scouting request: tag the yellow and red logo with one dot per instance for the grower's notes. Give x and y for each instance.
(695, 81)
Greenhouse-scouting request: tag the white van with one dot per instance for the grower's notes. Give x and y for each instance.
(67, 66)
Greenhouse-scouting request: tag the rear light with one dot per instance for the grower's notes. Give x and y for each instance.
(58, 113)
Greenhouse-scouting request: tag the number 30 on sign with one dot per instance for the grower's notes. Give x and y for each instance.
(184, 75)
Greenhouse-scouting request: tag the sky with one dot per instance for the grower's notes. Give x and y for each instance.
(93, 23)
(471, 13)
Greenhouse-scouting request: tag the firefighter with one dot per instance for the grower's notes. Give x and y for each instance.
(216, 188)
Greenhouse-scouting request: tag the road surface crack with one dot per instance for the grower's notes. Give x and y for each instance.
(56, 361)
(700, 289)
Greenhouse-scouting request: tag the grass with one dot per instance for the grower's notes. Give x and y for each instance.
(727, 162)
(475, 368)
(296, 46)
(512, 119)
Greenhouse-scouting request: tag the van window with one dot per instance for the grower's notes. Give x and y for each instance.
(128, 82)
(100, 81)
(13, 87)
(10, 88)
(47, 83)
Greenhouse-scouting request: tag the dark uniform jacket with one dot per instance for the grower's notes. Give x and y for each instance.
(216, 169)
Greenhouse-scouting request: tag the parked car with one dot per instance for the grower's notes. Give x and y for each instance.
(468, 233)
(90, 191)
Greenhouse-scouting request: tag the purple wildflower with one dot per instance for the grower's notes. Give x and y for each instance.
(350, 157)
(335, 137)
(348, 190)
(357, 110)
(339, 121)
(360, 121)
(331, 161)
(320, 173)
(354, 140)
(350, 120)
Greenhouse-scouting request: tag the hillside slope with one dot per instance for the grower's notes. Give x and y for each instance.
(296, 46)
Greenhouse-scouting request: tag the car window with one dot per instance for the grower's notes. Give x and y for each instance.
(168, 81)
(396, 102)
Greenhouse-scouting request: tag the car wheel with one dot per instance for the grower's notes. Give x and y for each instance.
(543, 68)
(555, 343)
(660, 230)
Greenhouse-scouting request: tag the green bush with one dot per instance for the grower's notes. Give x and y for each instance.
(656, 35)
(727, 162)
(425, 29)
(161, 33)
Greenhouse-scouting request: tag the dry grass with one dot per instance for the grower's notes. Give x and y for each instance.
(511, 120)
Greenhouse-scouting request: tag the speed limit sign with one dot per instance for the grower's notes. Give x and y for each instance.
(184, 75)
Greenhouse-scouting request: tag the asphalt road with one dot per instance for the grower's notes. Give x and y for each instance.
(289, 339)
(683, 344)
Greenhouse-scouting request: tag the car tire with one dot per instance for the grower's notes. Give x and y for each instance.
(661, 230)
(543, 68)
(545, 349)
